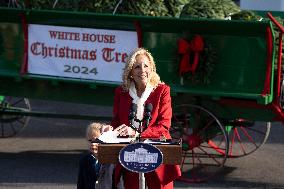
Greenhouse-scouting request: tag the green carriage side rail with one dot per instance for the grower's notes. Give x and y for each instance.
(239, 72)
(274, 13)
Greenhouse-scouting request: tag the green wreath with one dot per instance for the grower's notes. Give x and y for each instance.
(205, 67)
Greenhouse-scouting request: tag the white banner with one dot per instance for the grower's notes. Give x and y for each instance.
(95, 54)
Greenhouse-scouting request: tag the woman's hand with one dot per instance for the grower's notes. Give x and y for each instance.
(124, 130)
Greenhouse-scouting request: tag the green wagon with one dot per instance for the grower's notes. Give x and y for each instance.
(225, 76)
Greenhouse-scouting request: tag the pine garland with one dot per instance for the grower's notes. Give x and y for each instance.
(215, 9)
(171, 8)
(205, 68)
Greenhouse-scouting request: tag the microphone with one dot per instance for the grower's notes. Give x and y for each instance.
(132, 115)
(147, 114)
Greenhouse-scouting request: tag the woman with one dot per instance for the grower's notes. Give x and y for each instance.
(142, 85)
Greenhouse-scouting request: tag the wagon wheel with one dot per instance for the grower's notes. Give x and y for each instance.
(204, 142)
(12, 124)
(246, 136)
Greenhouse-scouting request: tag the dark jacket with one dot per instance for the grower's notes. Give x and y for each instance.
(88, 172)
(93, 175)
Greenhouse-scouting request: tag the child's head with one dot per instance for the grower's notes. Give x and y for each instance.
(94, 131)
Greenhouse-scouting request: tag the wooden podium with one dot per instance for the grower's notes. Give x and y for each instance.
(109, 153)
(171, 154)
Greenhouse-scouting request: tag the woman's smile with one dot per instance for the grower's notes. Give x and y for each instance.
(141, 70)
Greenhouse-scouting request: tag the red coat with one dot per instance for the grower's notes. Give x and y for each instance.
(158, 126)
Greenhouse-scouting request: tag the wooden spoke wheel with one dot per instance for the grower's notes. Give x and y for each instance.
(204, 142)
(13, 124)
(246, 136)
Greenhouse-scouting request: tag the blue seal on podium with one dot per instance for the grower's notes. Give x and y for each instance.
(140, 157)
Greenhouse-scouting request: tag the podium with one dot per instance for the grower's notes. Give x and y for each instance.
(108, 153)
(171, 154)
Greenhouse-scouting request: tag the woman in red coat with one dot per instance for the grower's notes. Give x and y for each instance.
(142, 85)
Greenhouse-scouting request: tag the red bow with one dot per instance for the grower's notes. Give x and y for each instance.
(196, 45)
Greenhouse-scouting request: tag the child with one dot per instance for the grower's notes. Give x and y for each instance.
(92, 174)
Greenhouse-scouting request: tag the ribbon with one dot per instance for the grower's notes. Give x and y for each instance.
(269, 53)
(24, 66)
(137, 25)
(186, 48)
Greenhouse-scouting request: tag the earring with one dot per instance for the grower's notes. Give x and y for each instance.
(131, 77)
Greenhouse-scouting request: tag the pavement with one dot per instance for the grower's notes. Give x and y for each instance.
(45, 155)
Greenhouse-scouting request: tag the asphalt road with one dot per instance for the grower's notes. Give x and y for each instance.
(46, 153)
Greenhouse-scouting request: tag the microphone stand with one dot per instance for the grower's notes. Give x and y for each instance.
(142, 181)
(132, 117)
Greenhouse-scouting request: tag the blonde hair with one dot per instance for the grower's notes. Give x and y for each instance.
(93, 127)
(126, 79)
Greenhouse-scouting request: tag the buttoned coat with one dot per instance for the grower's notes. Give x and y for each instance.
(159, 126)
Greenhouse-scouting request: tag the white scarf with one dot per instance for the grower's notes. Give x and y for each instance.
(139, 100)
